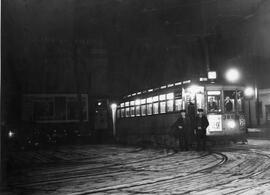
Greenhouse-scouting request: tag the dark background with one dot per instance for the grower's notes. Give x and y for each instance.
(109, 48)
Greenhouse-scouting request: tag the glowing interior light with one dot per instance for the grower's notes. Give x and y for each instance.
(232, 75)
(185, 82)
(213, 92)
(150, 90)
(194, 88)
(170, 85)
(178, 83)
(203, 79)
(162, 97)
(149, 100)
(249, 91)
(212, 75)
(163, 87)
(99, 103)
(231, 124)
(155, 98)
(143, 101)
(170, 96)
(137, 102)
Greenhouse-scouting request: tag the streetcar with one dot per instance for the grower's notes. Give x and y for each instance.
(146, 117)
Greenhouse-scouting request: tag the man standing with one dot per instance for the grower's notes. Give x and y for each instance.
(201, 124)
(228, 104)
(183, 128)
(212, 105)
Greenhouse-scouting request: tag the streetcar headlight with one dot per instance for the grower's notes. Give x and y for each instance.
(231, 124)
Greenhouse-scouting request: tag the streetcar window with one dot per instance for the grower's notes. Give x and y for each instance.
(162, 97)
(155, 108)
(126, 103)
(170, 106)
(155, 98)
(137, 102)
(132, 103)
(178, 104)
(122, 105)
(127, 112)
(213, 101)
(143, 101)
(229, 101)
(149, 109)
(138, 110)
(170, 96)
(240, 101)
(132, 111)
(143, 110)
(149, 100)
(162, 107)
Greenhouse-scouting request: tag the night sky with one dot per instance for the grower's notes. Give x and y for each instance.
(113, 47)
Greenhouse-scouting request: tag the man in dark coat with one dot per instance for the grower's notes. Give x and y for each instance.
(183, 129)
(201, 123)
(228, 104)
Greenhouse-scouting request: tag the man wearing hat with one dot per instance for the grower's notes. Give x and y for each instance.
(183, 129)
(201, 123)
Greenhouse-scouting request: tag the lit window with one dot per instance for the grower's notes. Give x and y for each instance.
(213, 92)
(137, 102)
(162, 107)
(178, 104)
(149, 109)
(132, 103)
(126, 103)
(127, 112)
(155, 98)
(149, 100)
(122, 105)
(155, 108)
(138, 110)
(162, 97)
(143, 101)
(170, 106)
(132, 111)
(213, 101)
(143, 110)
(170, 96)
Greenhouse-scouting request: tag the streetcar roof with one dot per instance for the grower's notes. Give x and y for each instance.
(183, 84)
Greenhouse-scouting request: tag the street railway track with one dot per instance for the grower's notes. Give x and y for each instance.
(210, 173)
